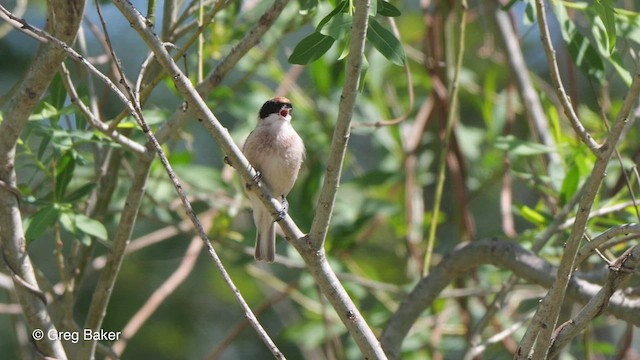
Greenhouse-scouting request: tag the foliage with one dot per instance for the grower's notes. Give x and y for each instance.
(502, 180)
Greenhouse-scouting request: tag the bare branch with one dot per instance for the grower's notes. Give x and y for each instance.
(504, 254)
(619, 273)
(546, 317)
(63, 20)
(520, 74)
(159, 295)
(552, 63)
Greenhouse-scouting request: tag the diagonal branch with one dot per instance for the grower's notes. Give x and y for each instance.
(318, 265)
(552, 63)
(546, 317)
(503, 254)
(619, 272)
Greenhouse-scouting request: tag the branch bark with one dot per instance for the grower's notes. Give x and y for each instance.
(64, 18)
(318, 265)
(504, 254)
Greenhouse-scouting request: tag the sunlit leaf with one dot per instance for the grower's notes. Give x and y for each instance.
(583, 53)
(570, 184)
(342, 5)
(532, 216)
(606, 12)
(519, 147)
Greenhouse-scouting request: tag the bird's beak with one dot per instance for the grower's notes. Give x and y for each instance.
(284, 112)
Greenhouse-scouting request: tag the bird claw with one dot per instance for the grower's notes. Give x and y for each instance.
(285, 209)
(255, 180)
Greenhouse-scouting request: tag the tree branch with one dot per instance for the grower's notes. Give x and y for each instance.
(619, 272)
(504, 254)
(213, 79)
(520, 73)
(546, 317)
(552, 63)
(318, 264)
(64, 18)
(341, 133)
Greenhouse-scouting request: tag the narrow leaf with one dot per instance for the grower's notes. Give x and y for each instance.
(39, 222)
(606, 12)
(385, 42)
(519, 147)
(311, 48)
(584, 55)
(532, 216)
(64, 173)
(339, 8)
(80, 192)
(388, 10)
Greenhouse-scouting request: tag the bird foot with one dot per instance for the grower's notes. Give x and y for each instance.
(255, 180)
(285, 209)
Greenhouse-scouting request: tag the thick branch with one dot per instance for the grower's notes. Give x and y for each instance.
(504, 254)
(619, 272)
(104, 288)
(546, 317)
(63, 20)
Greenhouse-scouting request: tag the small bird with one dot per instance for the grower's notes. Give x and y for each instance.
(276, 151)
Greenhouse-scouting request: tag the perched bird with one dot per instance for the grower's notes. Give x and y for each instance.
(275, 151)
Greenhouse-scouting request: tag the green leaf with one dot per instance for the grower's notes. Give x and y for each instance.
(583, 53)
(91, 227)
(606, 12)
(388, 10)
(64, 173)
(519, 147)
(58, 94)
(618, 64)
(532, 216)
(339, 26)
(39, 222)
(311, 48)
(48, 111)
(339, 8)
(80, 192)
(570, 184)
(385, 42)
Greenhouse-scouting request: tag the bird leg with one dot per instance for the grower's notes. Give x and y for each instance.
(285, 209)
(256, 180)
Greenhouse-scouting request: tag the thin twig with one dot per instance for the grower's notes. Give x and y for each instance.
(554, 72)
(451, 116)
(159, 295)
(410, 92)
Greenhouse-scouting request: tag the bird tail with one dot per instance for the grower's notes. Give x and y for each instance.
(265, 237)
